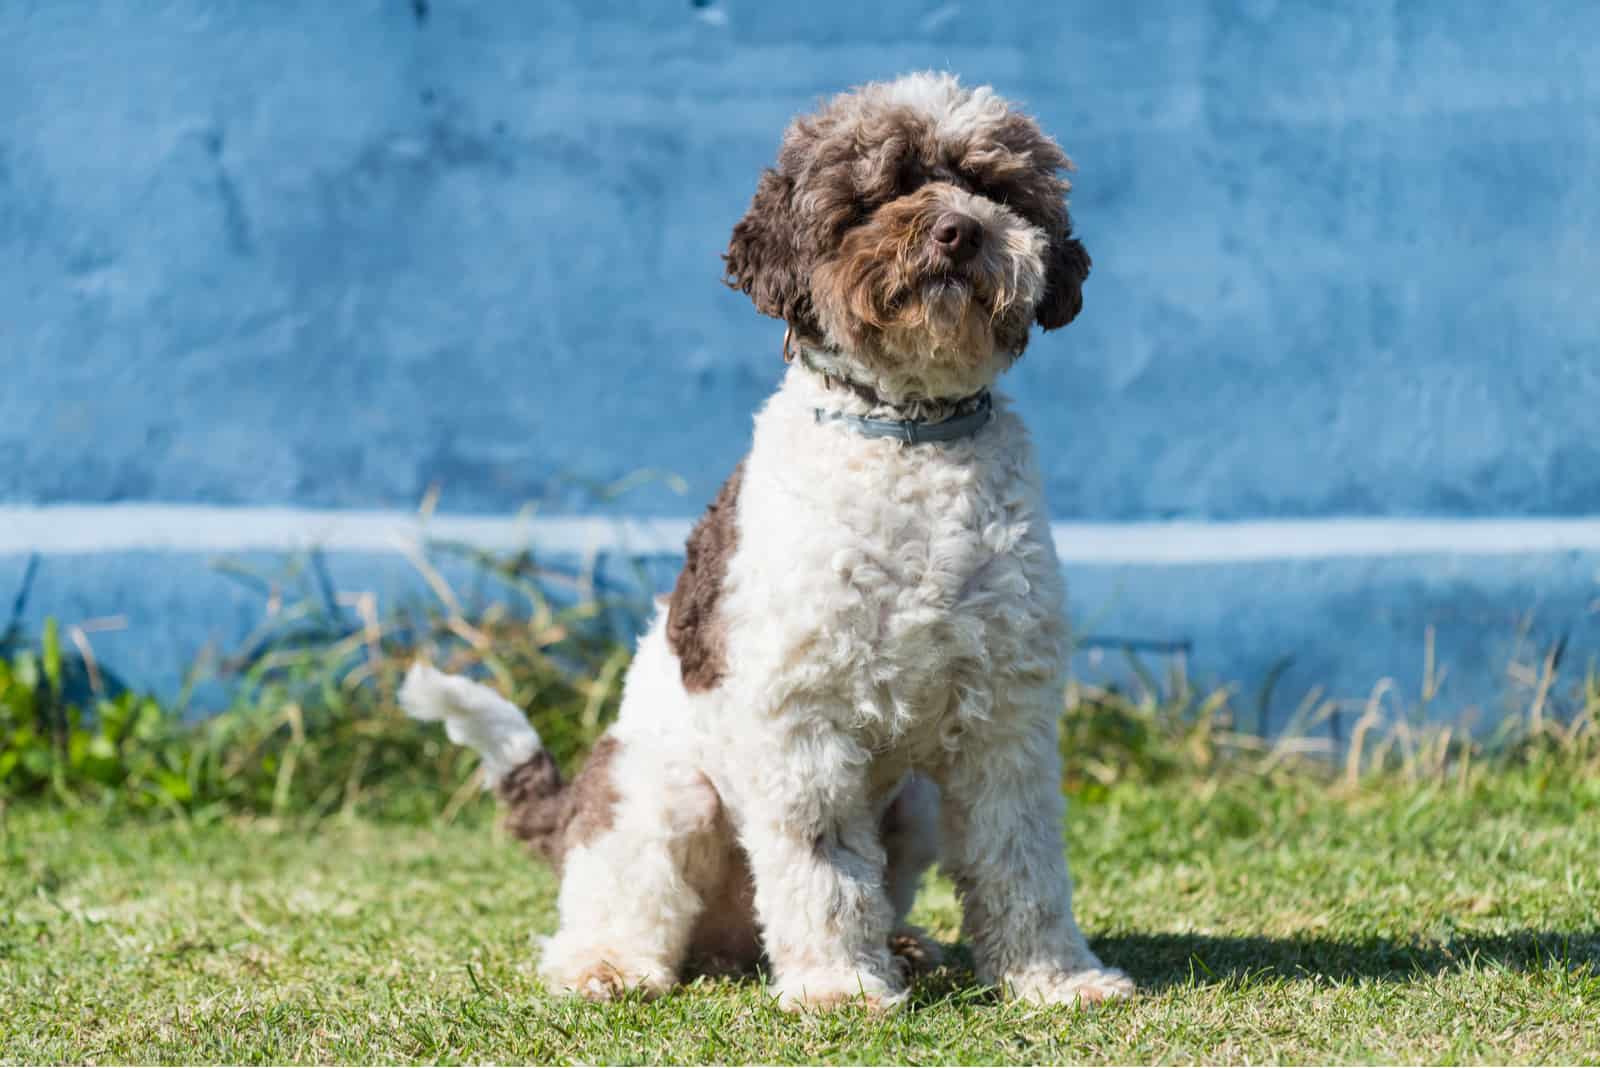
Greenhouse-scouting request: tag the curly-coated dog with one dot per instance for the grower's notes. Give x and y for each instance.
(859, 670)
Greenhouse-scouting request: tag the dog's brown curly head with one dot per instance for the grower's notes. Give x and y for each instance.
(913, 224)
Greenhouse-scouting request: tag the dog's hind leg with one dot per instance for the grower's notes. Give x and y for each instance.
(910, 826)
(624, 834)
(631, 894)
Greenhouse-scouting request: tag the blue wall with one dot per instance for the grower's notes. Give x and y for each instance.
(328, 254)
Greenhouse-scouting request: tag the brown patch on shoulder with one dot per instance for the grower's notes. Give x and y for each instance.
(553, 817)
(696, 632)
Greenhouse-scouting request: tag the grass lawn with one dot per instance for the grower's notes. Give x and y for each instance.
(1263, 923)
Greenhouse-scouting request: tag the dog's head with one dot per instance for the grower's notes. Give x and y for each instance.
(917, 227)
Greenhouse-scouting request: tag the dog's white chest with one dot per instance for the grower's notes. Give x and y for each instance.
(907, 586)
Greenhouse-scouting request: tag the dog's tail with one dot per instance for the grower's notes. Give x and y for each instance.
(473, 715)
(515, 764)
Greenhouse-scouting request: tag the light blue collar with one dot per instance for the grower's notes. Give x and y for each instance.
(909, 431)
(916, 431)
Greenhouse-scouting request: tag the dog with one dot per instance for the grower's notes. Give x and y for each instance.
(859, 669)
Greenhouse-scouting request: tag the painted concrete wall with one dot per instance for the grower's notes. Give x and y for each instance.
(328, 255)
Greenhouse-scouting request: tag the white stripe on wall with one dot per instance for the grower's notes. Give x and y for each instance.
(59, 529)
(69, 529)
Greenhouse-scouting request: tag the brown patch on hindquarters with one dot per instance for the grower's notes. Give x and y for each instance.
(696, 632)
(553, 817)
(533, 797)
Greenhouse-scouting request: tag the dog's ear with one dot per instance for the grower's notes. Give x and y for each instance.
(764, 258)
(1066, 266)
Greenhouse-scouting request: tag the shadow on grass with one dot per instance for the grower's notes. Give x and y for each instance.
(1159, 961)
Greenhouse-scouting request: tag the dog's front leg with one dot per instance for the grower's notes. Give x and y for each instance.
(1002, 814)
(818, 860)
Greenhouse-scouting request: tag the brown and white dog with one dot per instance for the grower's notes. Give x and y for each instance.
(859, 669)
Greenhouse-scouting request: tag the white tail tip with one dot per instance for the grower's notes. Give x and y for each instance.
(473, 715)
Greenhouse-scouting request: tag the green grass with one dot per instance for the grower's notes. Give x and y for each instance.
(1277, 921)
(310, 877)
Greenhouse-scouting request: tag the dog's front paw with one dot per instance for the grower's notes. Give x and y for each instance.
(818, 991)
(1088, 986)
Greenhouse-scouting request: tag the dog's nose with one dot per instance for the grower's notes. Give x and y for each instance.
(958, 236)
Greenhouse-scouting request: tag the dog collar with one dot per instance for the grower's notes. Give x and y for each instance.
(910, 431)
(916, 431)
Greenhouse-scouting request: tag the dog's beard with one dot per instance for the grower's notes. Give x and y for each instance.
(947, 319)
(898, 306)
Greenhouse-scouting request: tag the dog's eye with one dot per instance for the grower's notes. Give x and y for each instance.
(980, 188)
(910, 179)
